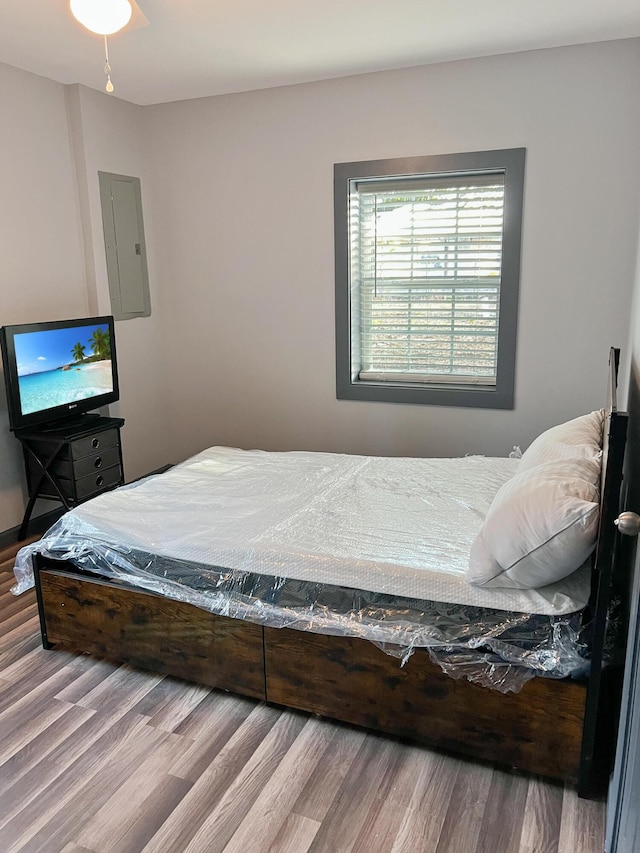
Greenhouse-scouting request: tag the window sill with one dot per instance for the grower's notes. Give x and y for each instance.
(457, 396)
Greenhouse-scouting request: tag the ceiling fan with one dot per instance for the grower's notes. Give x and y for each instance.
(106, 17)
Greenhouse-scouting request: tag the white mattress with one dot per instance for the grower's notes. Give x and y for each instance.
(392, 525)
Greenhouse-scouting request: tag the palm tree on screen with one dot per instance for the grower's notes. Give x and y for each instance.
(100, 343)
(78, 352)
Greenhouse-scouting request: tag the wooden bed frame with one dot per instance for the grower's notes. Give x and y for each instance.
(562, 729)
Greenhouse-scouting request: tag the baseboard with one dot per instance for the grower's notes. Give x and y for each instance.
(38, 525)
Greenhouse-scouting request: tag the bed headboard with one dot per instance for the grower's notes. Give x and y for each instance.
(613, 445)
(607, 611)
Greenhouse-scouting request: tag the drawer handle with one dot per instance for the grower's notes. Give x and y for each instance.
(95, 443)
(98, 462)
(99, 480)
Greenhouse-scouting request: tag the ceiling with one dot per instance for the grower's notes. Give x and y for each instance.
(177, 49)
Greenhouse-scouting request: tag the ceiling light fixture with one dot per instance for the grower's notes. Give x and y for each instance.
(103, 17)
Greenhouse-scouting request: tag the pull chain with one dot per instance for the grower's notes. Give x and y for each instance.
(107, 68)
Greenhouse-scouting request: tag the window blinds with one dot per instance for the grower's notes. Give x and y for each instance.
(425, 273)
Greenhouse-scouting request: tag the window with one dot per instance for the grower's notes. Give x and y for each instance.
(427, 273)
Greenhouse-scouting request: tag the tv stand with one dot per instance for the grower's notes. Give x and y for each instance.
(71, 461)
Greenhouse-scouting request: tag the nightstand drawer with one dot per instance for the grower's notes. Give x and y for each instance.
(96, 462)
(70, 469)
(97, 482)
(91, 444)
(78, 490)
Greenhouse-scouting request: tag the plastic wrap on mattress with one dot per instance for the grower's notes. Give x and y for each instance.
(397, 526)
(495, 648)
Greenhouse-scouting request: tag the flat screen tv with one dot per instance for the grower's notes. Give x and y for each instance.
(58, 370)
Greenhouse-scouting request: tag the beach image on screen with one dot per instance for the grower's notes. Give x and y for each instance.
(61, 366)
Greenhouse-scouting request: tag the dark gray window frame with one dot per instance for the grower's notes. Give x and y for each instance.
(348, 386)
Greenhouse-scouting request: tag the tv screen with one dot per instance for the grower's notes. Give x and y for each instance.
(58, 370)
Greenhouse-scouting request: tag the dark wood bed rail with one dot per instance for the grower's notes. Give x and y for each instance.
(537, 730)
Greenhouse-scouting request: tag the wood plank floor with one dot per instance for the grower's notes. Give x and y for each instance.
(100, 757)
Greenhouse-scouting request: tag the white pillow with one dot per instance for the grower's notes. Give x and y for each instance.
(580, 438)
(541, 526)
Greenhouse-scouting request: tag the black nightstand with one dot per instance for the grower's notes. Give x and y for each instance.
(71, 462)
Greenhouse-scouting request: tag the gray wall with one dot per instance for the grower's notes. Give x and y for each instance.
(237, 193)
(41, 260)
(243, 219)
(113, 140)
(52, 264)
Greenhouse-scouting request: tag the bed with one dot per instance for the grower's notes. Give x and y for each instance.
(315, 593)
